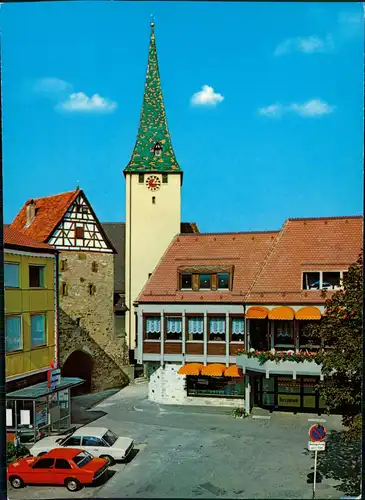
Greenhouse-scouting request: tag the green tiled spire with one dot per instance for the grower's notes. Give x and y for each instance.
(153, 130)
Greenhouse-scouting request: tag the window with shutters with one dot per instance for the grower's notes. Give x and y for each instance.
(94, 267)
(205, 281)
(92, 289)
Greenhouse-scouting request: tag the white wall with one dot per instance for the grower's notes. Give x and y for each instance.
(166, 386)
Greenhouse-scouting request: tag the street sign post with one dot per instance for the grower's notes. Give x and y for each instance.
(317, 433)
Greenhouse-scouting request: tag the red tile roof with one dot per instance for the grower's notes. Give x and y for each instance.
(49, 212)
(244, 251)
(14, 238)
(268, 266)
(313, 244)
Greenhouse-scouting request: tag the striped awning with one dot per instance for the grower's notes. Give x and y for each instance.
(214, 370)
(233, 371)
(190, 369)
(282, 312)
(308, 313)
(257, 312)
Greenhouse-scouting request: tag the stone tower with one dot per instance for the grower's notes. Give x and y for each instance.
(153, 192)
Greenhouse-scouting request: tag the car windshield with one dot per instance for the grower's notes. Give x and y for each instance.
(82, 458)
(110, 438)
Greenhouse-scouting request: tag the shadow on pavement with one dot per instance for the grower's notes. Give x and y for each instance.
(131, 456)
(80, 406)
(341, 462)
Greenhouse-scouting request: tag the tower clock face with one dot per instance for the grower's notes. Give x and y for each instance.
(153, 182)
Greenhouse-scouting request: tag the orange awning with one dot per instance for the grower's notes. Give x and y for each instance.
(191, 369)
(283, 312)
(257, 313)
(233, 371)
(309, 312)
(214, 370)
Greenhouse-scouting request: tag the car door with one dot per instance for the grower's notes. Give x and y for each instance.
(62, 468)
(94, 445)
(42, 472)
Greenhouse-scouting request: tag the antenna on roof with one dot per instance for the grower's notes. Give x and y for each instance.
(77, 185)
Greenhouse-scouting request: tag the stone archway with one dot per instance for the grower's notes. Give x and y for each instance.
(79, 364)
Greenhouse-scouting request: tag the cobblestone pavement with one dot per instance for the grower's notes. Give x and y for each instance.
(204, 452)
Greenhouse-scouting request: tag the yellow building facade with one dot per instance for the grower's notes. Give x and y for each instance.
(31, 290)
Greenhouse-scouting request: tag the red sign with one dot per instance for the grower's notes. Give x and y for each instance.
(317, 433)
(53, 378)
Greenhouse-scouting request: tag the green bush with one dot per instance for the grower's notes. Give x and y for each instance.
(12, 454)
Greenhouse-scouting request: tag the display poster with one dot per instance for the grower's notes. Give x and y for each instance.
(24, 417)
(41, 416)
(309, 401)
(288, 400)
(9, 417)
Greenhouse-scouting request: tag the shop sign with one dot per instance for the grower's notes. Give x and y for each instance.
(53, 378)
(288, 400)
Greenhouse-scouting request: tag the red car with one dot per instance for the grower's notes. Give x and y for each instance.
(67, 466)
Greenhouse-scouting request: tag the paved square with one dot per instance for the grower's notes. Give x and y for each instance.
(206, 453)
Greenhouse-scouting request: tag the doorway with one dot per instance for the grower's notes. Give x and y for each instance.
(79, 364)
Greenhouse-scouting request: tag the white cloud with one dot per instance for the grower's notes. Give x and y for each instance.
(307, 45)
(274, 110)
(308, 109)
(314, 107)
(206, 97)
(52, 86)
(350, 23)
(80, 102)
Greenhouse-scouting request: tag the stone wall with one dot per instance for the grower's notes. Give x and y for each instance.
(166, 386)
(87, 319)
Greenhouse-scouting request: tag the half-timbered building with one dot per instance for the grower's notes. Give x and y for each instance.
(88, 348)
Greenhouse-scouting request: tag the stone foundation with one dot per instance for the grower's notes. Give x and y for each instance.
(166, 386)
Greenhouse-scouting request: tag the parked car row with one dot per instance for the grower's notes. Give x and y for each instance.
(74, 460)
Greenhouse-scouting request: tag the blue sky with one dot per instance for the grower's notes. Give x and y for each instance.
(276, 133)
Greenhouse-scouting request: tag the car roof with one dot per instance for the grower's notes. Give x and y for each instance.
(67, 453)
(91, 431)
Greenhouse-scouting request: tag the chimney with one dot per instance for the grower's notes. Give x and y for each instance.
(30, 212)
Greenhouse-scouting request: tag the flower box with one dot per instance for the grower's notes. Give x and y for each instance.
(280, 362)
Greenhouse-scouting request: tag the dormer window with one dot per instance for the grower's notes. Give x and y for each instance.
(206, 279)
(157, 150)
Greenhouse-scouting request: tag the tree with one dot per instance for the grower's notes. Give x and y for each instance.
(340, 334)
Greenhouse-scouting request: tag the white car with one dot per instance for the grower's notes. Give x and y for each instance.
(99, 441)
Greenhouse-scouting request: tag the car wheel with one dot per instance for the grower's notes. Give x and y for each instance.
(16, 482)
(72, 484)
(109, 458)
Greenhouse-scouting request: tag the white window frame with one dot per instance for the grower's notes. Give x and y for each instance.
(21, 333)
(321, 280)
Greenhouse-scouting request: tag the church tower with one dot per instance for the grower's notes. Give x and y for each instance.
(153, 193)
